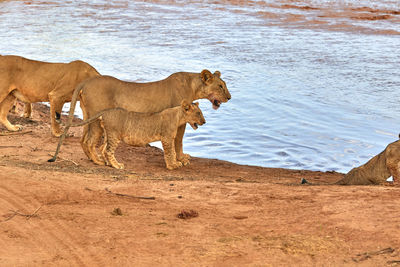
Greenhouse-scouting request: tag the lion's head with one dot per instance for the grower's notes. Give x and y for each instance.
(215, 88)
(193, 114)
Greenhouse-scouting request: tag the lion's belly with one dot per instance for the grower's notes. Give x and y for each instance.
(21, 96)
(139, 138)
(31, 88)
(30, 95)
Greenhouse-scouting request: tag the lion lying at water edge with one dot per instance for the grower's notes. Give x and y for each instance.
(378, 169)
(104, 92)
(139, 129)
(36, 81)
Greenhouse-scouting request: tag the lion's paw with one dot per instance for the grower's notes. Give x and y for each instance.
(14, 128)
(117, 165)
(56, 133)
(174, 165)
(184, 159)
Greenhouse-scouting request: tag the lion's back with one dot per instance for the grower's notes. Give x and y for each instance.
(105, 92)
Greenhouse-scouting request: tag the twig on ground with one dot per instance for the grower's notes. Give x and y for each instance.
(130, 196)
(34, 213)
(10, 217)
(64, 159)
(368, 255)
(14, 133)
(10, 146)
(28, 216)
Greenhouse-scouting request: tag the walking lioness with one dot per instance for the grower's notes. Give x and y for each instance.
(36, 81)
(139, 129)
(104, 92)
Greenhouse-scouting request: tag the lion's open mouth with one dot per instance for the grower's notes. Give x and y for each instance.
(194, 126)
(216, 104)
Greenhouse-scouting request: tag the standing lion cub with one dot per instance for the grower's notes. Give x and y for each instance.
(139, 129)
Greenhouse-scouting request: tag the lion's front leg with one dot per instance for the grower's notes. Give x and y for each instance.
(169, 154)
(180, 156)
(394, 169)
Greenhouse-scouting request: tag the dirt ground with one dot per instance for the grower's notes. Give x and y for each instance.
(210, 213)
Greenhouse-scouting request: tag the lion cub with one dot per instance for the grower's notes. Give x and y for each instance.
(139, 129)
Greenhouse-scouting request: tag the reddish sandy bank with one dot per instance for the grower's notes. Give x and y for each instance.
(212, 212)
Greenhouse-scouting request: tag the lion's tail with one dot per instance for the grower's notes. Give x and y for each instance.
(90, 120)
(74, 99)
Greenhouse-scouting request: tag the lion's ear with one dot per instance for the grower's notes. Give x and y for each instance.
(206, 76)
(185, 105)
(217, 73)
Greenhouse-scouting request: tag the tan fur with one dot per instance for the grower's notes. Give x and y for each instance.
(139, 129)
(27, 110)
(378, 169)
(36, 81)
(105, 92)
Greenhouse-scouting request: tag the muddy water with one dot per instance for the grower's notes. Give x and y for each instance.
(315, 84)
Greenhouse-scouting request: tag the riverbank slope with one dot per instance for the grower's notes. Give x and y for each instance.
(212, 212)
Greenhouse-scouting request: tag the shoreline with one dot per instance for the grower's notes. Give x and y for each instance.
(40, 120)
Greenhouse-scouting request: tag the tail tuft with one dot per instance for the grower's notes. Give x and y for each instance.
(52, 159)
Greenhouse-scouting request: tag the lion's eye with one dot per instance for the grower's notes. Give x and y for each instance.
(220, 86)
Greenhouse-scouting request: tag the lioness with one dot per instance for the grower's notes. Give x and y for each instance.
(378, 169)
(36, 81)
(104, 92)
(139, 129)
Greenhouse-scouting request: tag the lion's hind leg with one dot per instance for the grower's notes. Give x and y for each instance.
(103, 146)
(27, 110)
(5, 106)
(109, 149)
(84, 141)
(56, 101)
(85, 132)
(90, 141)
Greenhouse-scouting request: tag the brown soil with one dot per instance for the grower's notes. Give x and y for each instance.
(211, 213)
